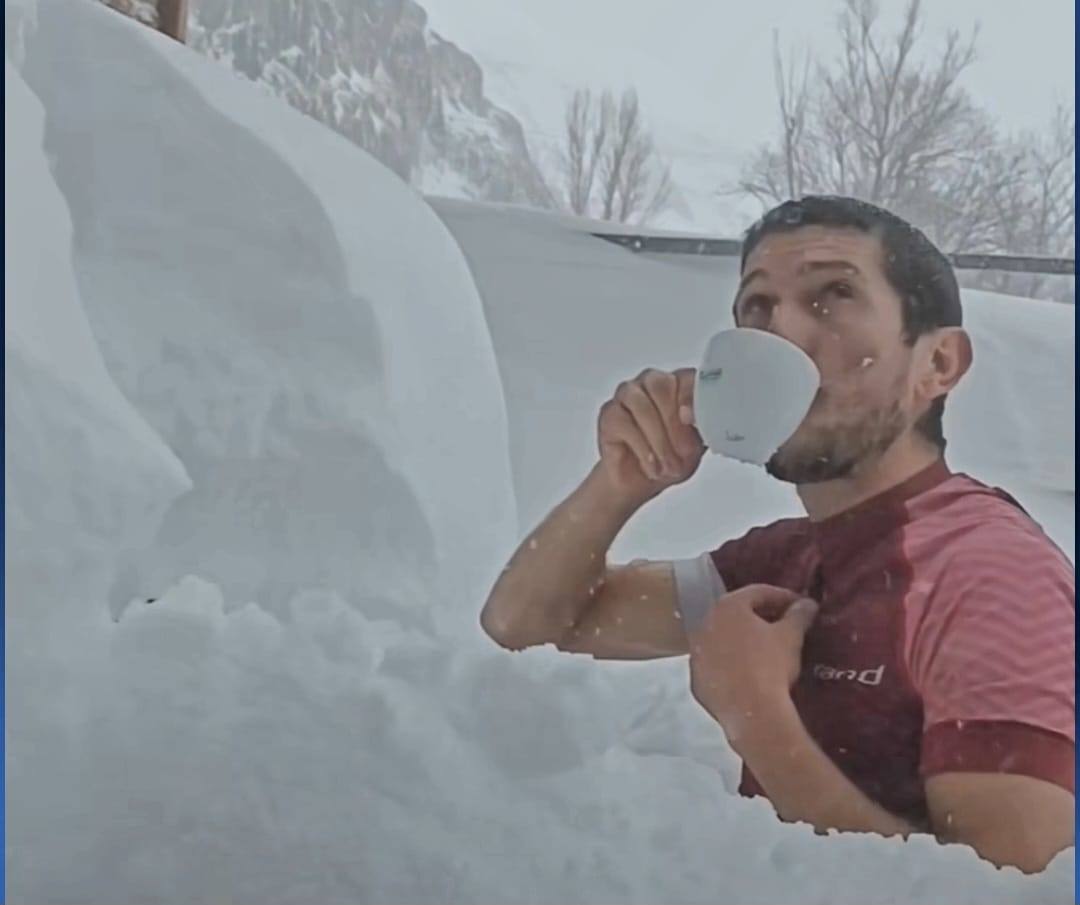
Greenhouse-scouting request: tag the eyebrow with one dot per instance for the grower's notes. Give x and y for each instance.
(812, 266)
(746, 279)
(807, 267)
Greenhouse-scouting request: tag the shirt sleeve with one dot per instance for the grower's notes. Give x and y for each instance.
(771, 554)
(698, 586)
(994, 660)
(778, 554)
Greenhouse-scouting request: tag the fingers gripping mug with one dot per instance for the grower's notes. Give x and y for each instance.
(751, 393)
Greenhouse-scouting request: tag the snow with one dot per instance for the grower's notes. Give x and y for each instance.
(705, 154)
(434, 177)
(72, 428)
(704, 73)
(608, 313)
(270, 366)
(701, 169)
(252, 374)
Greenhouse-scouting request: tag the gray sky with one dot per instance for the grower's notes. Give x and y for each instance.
(708, 61)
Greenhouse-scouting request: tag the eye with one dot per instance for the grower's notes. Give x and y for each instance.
(840, 289)
(751, 305)
(835, 293)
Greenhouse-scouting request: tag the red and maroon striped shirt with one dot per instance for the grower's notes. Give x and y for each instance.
(945, 639)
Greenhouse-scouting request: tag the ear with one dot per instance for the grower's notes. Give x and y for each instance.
(947, 357)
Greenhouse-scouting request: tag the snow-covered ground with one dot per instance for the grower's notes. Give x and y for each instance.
(252, 374)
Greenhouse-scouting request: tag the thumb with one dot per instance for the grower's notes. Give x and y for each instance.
(799, 617)
(684, 394)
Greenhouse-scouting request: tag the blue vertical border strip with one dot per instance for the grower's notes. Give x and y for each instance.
(3, 611)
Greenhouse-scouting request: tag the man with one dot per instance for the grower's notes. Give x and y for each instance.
(901, 660)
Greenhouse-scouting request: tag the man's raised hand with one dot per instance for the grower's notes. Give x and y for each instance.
(646, 435)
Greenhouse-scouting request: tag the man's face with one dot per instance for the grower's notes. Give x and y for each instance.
(825, 290)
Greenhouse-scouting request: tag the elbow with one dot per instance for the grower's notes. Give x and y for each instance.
(1029, 853)
(503, 630)
(1030, 859)
(514, 633)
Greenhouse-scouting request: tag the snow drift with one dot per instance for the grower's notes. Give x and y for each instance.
(249, 375)
(225, 256)
(572, 315)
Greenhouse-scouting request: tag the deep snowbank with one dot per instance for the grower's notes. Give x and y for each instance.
(571, 316)
(226, 250)
(252, 308)
(86, 477)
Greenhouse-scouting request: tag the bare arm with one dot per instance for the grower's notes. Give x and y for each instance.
(557, 588)
(801, 781)
(1008, 819)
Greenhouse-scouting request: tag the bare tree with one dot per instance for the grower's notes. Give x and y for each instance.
(586, 139)
(878, 124)
(609, 166)
(1034, 208)
(778, 173)
(891, 124)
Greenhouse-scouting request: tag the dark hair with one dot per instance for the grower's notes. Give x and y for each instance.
(921, 275)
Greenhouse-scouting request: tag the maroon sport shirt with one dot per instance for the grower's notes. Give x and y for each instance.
(944, 642)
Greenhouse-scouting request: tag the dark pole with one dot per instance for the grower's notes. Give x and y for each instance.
(172, 18)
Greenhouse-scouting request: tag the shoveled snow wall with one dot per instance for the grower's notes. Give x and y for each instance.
(572, 315)
(251, 279)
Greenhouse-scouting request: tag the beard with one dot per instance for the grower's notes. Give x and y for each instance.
(835, 451)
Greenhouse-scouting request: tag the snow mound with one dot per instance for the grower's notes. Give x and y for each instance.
(252, 282)
(208, 291)
(86, 475)
(572, 315)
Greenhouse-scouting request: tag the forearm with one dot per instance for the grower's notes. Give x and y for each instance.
(800, 780)
(558, 569)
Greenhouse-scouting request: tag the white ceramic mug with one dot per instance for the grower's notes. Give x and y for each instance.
(751, 393)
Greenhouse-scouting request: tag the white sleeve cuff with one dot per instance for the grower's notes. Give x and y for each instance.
(698, 586)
